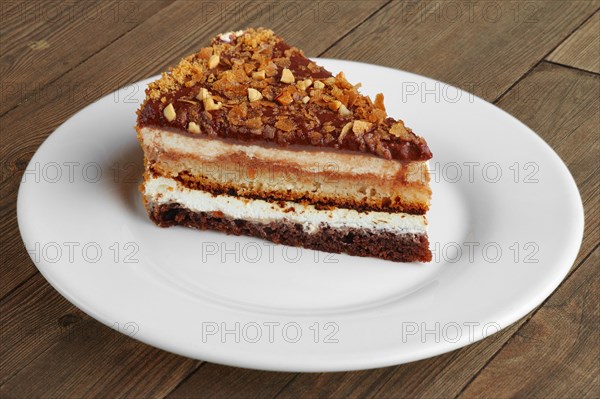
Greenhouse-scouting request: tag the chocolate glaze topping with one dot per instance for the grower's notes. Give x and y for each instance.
(331, 113)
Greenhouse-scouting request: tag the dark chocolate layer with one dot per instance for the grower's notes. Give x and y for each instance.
(357, 242)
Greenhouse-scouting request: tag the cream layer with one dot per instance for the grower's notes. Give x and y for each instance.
(211, 149)
(161, 190)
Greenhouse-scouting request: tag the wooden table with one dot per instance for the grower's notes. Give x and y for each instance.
(538, 60)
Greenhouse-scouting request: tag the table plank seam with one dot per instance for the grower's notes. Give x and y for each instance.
(387, 380)
(187, 377)
(354, 28)
(572, 67)
(528, 318)
(286, 385)
(87, 58)
(543, 59)
(15, 288)
(516, 82)
(575, 30)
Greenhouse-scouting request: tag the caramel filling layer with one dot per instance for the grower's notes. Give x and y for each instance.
(334, 178)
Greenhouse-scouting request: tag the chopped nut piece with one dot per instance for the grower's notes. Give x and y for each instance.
(305, 99)
(205, 53)
(328, 127)
(304, 84)
(254, 95)
(399, 130)
(187, 100)
(379, 102)
(360, 127)
(203, 95)
(284, 98)
(213, 61)
(334, 105)
(319, 85)
(287, 76)
(285, 124)
(193, 127)
(254, 123)
(169, 112)
(345, 131)
(343, 110)
(210, 105)
(260, 75)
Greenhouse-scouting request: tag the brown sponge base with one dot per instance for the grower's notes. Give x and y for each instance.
(358, 242)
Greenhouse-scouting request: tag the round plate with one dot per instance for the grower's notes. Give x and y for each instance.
(505, 227)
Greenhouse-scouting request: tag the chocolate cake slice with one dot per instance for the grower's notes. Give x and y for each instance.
(248, 136)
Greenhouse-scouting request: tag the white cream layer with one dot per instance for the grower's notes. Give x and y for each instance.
(161, 190)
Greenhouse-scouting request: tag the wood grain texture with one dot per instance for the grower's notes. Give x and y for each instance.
(49, 348)
(582, 48)
(216, 381)
(356, 384)
(555, 354)
(42, 40)
(482, 47)
(191, 25)
(26, 126)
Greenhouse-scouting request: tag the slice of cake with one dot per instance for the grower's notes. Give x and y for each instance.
(248, 136)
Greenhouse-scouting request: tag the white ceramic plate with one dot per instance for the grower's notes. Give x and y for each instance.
(505, 226)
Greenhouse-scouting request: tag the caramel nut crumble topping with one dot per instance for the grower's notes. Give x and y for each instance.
(343, 110)
(360, 127)
(260, 75)
(169, 112)
(287, 76)
(254, 95)
(251, 85)
(213, 61)
(193, 127)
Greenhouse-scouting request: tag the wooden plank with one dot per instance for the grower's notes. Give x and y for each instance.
(441, 376)
(97, 371)
(51, 349)
(582, 48)
(42, 40)
(216, 381)
(555, 354)
(191, 25)
(357, 384)
(561, 105)
(441, 373)
(482, 47)
(28, 330)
